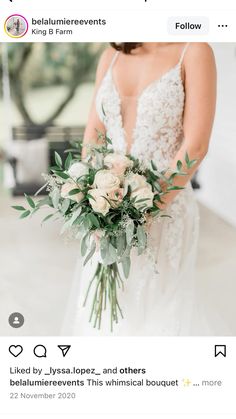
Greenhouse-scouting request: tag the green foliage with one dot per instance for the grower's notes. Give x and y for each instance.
(85, 244)
(68, 161)
(74, 191)
(130, 232)
(113, 235)
(18, 208)
(58, 160)
(91, 253)
(47, 218)
(142, 237)
(126, 264)
(25, 214)
(190, 163)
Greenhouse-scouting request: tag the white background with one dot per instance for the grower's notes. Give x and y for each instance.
(186, 357)
(125, 4)
(130, 16)
(163, 358)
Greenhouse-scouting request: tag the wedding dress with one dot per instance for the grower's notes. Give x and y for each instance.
(158, 296)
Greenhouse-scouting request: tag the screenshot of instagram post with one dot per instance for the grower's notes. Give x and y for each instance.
(117, 209)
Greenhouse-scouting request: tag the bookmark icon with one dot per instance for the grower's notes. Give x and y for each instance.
(220, 350)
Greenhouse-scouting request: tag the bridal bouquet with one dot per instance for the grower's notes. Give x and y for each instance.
(106, 200)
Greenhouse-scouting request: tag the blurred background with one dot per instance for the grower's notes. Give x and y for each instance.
(45, 96)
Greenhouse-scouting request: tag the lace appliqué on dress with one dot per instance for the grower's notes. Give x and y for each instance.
(157, 136)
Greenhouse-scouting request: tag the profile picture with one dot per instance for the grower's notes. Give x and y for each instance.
(16, 26)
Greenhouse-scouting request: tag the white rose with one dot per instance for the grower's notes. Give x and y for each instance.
(136, 181)
(77, 170)
(99, 203)
(104, 179)
(143, 193)
(118, 163)
(69, 186)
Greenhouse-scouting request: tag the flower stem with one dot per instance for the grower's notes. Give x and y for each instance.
(107, 279)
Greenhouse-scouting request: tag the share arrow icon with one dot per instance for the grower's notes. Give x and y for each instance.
(64, 349)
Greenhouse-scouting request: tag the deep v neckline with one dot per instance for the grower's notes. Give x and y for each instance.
(148, 86)
(138, 98)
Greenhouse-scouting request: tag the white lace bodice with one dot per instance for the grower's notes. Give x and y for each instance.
(158, 295)
(157, 136)
(158, 131)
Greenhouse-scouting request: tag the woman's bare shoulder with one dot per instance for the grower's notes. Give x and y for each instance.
(199, 62)
(199, 52)
(105, 61)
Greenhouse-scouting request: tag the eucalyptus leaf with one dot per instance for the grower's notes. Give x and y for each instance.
(179, 165)
(61, 174)
(68, 161)
(84, 245)
(127, 251)
(141, 200)
(30, 201)
(104, 246)
(157, 187)
(187, 158)
(130, 232)
(53, 168)
(74, 217)
(55, 195)
(112, 252)
(111, 255)
(91, 253)
(141, 236)
(172, 176)
(142, 207)
(108, 140)
(18, 208)
(192, 163)
(47, 218)
(90, 197)
(94, 220)
(121, 244)
(74, 191)
(65, 205)
(65, 227)
(58, 159)
(44, 201)
(157, 198)
(153, 165)
(103, 110)
(25, 214)
(155, 212)
(126, 263)
(174, 188)
(99, 160)
(88, 222)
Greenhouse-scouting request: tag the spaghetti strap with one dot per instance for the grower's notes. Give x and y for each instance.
(183, 53)
(114, 58)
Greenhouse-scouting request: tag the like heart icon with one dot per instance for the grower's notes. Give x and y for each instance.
(15, 350)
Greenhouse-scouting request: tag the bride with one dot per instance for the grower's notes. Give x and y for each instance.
(155, 101)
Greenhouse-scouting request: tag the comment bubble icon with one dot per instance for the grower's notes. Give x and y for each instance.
(40, 351)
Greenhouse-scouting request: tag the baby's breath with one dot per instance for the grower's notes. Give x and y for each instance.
(52, 182)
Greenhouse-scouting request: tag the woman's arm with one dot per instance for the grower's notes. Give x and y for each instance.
(94, 124)
(199, 110)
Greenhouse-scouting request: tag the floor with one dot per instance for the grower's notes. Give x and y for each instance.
(36, 270)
